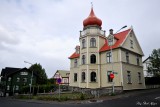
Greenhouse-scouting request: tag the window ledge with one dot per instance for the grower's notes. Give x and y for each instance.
(83, 82)
(140, 83)
(93, 47)
(129, 83)
(93, 82)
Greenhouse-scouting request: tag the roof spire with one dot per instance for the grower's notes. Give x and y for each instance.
(91, 4)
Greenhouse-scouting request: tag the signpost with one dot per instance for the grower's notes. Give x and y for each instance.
(112, 76)
(59, 82)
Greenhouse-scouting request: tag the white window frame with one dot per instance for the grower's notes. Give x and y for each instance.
(18, 79)
(129, 77)
(8, 87)
(92, 42)
(109, 57)
(9, 79)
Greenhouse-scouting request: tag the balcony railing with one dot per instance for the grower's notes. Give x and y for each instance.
(92, 32)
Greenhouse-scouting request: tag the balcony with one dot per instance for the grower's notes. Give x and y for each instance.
(92, 32)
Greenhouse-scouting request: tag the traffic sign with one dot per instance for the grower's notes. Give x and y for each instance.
(111, 76)
(59, 80)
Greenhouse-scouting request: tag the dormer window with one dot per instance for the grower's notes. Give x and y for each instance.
(110, 40)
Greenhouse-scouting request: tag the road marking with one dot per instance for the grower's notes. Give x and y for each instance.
(157, 98)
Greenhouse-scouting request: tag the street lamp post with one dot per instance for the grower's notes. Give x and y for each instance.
(31, 77)
(111, 40)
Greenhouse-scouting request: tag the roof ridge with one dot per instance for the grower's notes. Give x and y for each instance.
(122, 31)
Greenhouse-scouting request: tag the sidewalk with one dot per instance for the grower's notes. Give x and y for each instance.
(95, 100)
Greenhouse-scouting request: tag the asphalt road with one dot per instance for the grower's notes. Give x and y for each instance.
(149, 99)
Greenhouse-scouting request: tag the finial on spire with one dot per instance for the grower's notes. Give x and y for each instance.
(91, 4)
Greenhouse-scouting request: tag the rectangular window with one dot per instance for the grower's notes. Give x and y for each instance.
(131, 43)
(83, 43)
(9, 79)
(75, 77)
(127, 57)
(24, 73)
(24, 79)
(17, 87)
(18, 79)
(129, 77)
(83, 59)
(8, 87)
(108, 76)
(109, 57)
(137, 60)
(139, 77)
(65, 80)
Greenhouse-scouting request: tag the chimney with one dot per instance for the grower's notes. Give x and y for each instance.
(111, 31)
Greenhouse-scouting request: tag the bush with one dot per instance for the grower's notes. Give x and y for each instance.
(63, 97)
(152, 80)
(82, 97)
(24, 97)
(39, 89)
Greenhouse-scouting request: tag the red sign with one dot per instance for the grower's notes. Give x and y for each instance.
(111, 76)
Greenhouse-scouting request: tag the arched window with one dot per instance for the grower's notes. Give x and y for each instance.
(93, 59)
(93, 77)
(92, 42)
(83, 77)
(83, 43)
(83, 59)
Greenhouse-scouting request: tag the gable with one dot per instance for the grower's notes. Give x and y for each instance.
(61, 74)
(131, 43)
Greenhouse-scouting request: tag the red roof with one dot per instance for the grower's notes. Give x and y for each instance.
(74, 55)
(120, 38)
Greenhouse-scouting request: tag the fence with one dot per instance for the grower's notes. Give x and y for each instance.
(152, 86)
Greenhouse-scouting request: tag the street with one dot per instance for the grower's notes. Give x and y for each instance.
(152, 98)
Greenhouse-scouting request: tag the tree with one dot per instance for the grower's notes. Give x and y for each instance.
(51, 81)
(40, 72)
(155, 63)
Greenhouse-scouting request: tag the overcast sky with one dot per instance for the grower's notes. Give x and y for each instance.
(47, 31)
